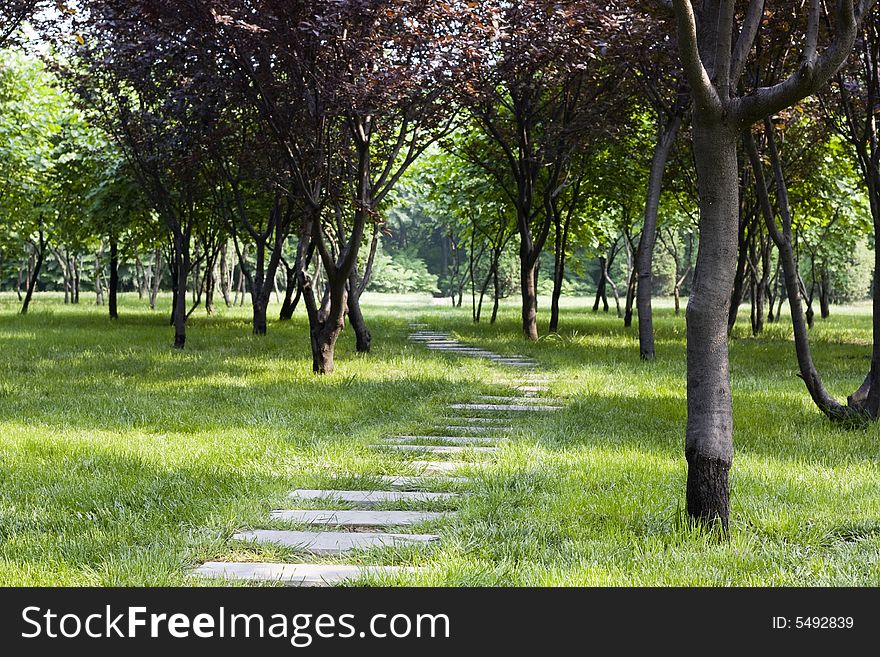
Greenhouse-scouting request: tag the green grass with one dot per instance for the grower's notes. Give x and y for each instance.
(123, 462)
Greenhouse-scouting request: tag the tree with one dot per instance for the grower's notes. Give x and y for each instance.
(542, 76)
(713, 62)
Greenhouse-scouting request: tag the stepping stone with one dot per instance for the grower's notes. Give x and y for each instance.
(533, 388)
(458, 350)
(332, 542)
(483, 420)
(356, 518)
(503, 407)
(519, 399)
(466, 429)
(371, 497)
(437, 449)
(294, 574)
(397, 481)
(429, 467)
(457, 440)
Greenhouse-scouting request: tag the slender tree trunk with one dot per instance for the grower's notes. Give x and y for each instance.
(114, 278)
(645, 254)
(497, 293)
(225, 275)
(76, 278)
(288, 305)
(140, 276)
(824, 293)
(709, 435)
(630, 297)
(363, 337)
(157, 279)
(32, 279)
(600, 286)
(182, 265)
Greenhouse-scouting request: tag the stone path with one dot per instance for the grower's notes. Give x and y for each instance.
(340, 531)
(356, 518)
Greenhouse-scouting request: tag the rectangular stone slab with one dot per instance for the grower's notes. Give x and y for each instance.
(465, 429)
(519, 400)
(482, 420)
(356, 518)
(503, 407)
(294, 574)
(332, 542)
(438, 466)
(371, 497)
(457, 440)
(533, 388)
(437, 449)
(402, 481)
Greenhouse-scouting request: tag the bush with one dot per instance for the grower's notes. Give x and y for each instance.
(851, 278)
(401, 274)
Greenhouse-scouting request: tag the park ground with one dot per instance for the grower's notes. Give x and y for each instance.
(123, 462)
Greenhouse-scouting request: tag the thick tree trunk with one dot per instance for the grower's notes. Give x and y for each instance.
(261, 306)
(529, 298)
(114, 279)
(645, 254)
(736, 296)
(709, 439)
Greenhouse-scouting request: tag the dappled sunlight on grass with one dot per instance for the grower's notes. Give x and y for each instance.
(126, 463)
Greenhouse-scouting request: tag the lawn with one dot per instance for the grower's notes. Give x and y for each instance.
(123, 462)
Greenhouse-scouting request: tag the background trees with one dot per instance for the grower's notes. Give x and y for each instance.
(318, 150)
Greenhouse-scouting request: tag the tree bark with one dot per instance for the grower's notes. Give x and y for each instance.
(114, 278)
(645, 254)
(363, 337)
(600, 287)
(39, 249)
(529, 298)
(157, 279)
(709, 434)
(182, 266)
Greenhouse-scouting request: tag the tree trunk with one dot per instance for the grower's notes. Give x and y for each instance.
(529, 298)
(32, 279)
(630, 298)
(600, 287)
(645, 254)
(157, 279)
(363, 337)
(824, 294)
(736, 296)
(289, 304)
(182, 265)
(709, 436)
(497, 293)
(225, 275)
(114, 278)
(76, 278)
